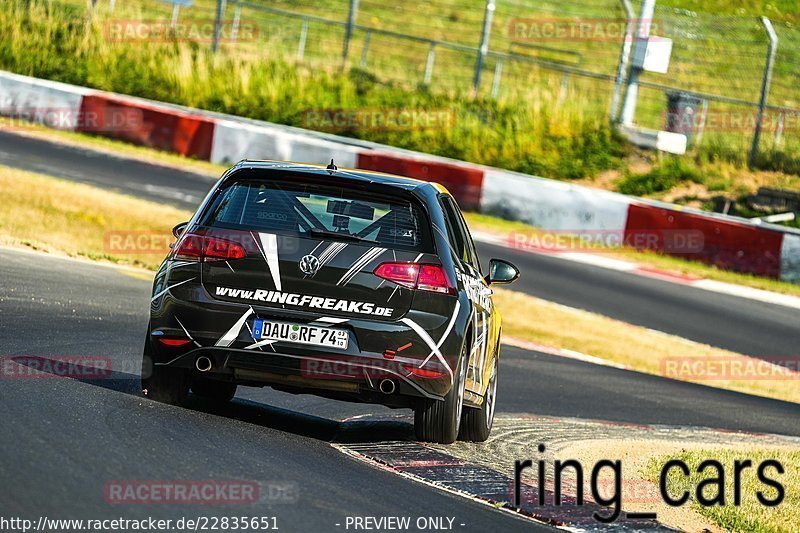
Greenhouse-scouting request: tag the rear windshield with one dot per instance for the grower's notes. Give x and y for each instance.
(321, 211)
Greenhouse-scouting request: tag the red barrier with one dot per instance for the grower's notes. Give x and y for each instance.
(729, 245)
(462, 181)
(147, 125)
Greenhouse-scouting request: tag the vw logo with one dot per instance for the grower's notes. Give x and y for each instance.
(309, 265)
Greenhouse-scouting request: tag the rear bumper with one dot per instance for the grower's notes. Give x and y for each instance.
(358, 375)
(377, 350)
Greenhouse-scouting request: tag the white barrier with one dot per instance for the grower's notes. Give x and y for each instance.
(56, 105)
(552, 205)
(790, 258)
(234, 141)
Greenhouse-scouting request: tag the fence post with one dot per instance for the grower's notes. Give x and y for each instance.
(484, 48)
(429, 64)
(498, 74)
(218, 25)
(237, 19)
(624, 56)
(348, 34)
(365, 50)
(779, 128)
(301, 45)
(632, 88)
(762, 103)
(176, 11)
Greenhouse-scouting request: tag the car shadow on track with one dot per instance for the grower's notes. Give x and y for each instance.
(247, 411)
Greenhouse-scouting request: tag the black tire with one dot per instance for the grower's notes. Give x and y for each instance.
(219, 391)
(163, 384)
(438, 420)
(476, 424)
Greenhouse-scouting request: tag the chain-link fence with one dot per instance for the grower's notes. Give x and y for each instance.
(574, 54)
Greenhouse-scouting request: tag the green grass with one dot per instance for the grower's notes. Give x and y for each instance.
(672, 172)
(542, 123)
(751, 516)
(534, 136)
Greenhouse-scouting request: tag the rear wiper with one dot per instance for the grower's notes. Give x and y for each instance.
(317, 232)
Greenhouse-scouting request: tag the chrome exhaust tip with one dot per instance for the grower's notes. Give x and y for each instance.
(203, 364)
(387, 386)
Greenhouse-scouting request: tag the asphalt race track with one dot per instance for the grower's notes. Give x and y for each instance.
(745, 326)
(65, 439)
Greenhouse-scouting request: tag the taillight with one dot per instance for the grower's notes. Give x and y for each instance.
(404, 274)
(174, 341)
(201, 248)
(432, 278)
(416, 276)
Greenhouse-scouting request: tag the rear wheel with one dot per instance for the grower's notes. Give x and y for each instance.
(219, 391)
(438, 420)
(163, 384)
(476, 424)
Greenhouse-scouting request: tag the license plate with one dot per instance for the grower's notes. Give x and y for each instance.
(300, 334)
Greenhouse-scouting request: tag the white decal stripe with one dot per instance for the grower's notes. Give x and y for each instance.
(342, 246)
(259, 344)
(330, 252)
(417, 258)
(320, 243)
(186, 331)
(331, 320)
(326, 321)
(165, 291)
(324, 255)
(230, 336)
(432, 345)
(446, 332)
(269, 243)
(354, 266)
(363, 261)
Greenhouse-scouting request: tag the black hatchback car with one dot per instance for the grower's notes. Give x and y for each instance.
(347, 284)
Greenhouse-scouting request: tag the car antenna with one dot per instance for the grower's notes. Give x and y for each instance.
(331, 167)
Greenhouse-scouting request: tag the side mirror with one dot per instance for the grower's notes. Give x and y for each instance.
(501, 272)
(177, 231)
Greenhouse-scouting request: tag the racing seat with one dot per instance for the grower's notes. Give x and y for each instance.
(271, 211)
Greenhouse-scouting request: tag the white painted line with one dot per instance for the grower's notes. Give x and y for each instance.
(560, 352)
(747, 292)
(620, 265)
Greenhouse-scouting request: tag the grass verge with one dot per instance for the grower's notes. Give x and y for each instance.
(535, 320)
(60, 216)
(751, 516)
(541, 123)
(53, 215)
